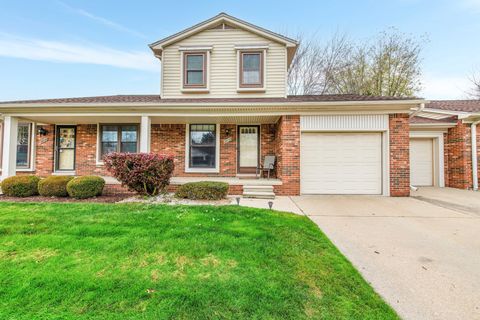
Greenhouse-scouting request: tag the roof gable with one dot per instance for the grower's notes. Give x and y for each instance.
(230, 21)
(226, 21)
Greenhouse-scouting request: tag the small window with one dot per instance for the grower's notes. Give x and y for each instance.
(202, 145)
(251, 69)
(118, 138)
(195, 70)
(24, 137)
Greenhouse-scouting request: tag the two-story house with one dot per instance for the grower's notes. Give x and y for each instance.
(222, 108)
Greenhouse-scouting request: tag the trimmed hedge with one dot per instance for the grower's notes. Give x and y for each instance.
(85, 187)
(145, 173)
(20, 186)
(54, 186)
(203, 190)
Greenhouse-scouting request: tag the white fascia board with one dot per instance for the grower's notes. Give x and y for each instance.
(469, 118)
(432, 125)
(196, 105)
(449, 112)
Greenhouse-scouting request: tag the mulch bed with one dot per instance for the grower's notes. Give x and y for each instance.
(101, 199)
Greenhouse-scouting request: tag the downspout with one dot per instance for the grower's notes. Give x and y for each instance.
(473, 133)
(419, 109)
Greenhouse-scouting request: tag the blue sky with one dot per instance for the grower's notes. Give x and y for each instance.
(68, 48)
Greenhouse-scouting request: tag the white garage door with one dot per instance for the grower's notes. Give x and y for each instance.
(341, 163)
(421, 162)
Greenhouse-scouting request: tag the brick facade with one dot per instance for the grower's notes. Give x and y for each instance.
(169, 139)
(281, 139)
(44, 146)
(287, 148)
(399, 155)
(458, 168)
(478, 154)
(86, 153)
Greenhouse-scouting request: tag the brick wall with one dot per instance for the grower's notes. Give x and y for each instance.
(44, 151)
(446, 159)
(267, 140)
(228, 150)
(170, 139)
(287, 149)
(165, 139)
(458, 157)
(399, 155)
(86, 151)
(478, 154)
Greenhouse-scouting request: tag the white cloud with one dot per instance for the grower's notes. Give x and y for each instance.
(438, 87)
(104, 21)
(55, 51)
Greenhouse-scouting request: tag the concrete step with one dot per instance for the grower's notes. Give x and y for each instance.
(259, 195)
(258, 188)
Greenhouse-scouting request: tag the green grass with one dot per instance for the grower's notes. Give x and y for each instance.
(99, 261)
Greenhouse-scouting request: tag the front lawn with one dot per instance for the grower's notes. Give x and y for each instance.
(107, 261)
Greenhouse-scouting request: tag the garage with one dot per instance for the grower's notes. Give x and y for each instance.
(341, 163)
(421, 162)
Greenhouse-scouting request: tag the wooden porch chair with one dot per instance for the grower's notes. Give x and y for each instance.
(267, 166)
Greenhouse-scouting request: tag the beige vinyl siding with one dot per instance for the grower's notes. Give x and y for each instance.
(223, 64)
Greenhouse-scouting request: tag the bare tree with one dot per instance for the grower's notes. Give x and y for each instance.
(389, 66)
(314, 64)
(475, 91)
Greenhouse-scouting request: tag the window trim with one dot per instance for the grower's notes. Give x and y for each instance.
(99, 138)
(248, 87)
(31, 148)
(217, 150)
(206, 60)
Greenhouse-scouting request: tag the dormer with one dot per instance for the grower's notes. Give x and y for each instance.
(224, 57)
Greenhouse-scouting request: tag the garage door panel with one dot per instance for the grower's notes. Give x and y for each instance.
(421, 162)
(341, 163)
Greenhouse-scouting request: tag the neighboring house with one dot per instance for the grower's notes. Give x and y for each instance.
(223, 106)
(441, 144)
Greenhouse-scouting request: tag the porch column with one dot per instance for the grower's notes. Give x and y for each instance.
(145, 132)
(9, 156)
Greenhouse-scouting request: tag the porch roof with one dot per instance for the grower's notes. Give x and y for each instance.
(156, 99)
(75, 119)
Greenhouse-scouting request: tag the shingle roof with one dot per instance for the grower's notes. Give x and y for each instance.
(424, 120)
(455, 105)
(156, 99)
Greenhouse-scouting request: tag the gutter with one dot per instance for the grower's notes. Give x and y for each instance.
(215, 104)
(419, 109)
(473, 134)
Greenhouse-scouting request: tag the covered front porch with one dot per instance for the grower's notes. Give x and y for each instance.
(205, 147)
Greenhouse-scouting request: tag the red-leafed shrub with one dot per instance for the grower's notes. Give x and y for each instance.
(145, 173)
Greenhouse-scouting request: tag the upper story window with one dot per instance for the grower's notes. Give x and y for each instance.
(195, 70)
(251, 69)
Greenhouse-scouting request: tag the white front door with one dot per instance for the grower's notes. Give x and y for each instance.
(341, 163)
(248, 149)
(421, 162)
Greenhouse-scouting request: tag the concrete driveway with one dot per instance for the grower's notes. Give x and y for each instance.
(421, 254)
